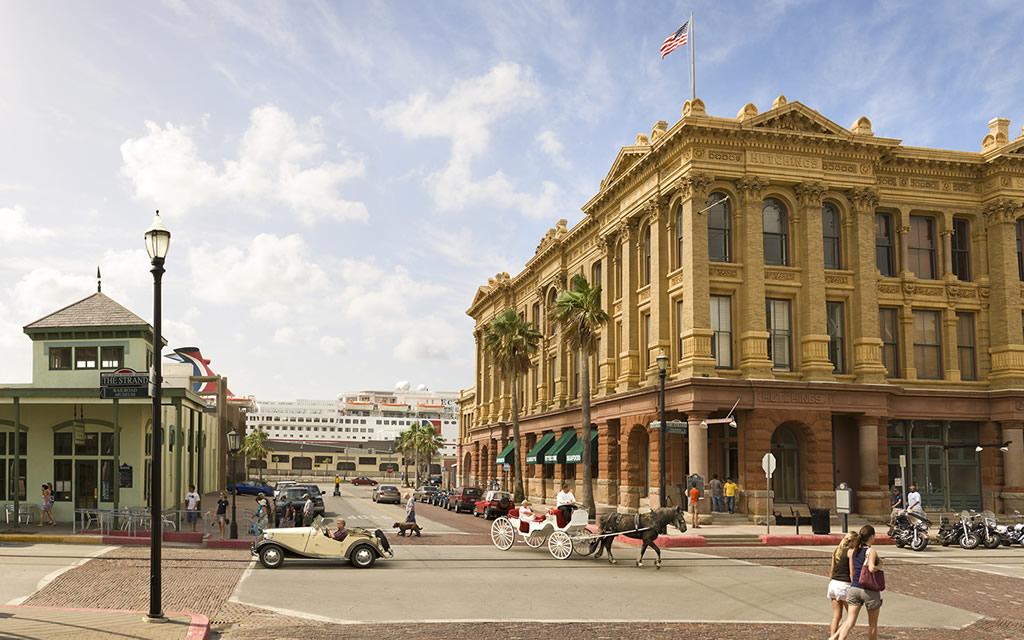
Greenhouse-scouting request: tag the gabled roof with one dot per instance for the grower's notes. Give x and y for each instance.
(628, 156)
(97, 310)
(796, 116)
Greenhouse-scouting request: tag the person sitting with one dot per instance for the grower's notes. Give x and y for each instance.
(566, 502)
(341, 533)
(526, 514)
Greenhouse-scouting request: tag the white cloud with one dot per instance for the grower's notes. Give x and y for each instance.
(333, 346)
(429, 338)
(465, 116)
(269, 267)
(277, 161)
(270, 310)
(42, 291)
(284, 335)
(551, 145)
(14, 227)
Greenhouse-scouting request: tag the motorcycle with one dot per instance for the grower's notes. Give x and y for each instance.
(1011, 534)
(950, 533)
(988, 532)
(970, 538)
(910, 529)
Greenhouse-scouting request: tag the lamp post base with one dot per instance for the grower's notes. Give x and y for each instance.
(155, 619)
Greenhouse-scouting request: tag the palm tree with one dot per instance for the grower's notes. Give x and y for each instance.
(430, 442)
(403, 444)
(256, 447)
(579, 311)
(513, 341)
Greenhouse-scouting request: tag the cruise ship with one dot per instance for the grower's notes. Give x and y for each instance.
(367, 418)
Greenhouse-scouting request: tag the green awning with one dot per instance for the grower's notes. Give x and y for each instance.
(556, 453)
(506, 456)
(575, 455)
(536, 453)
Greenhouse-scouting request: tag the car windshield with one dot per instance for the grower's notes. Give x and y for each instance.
(498, 495)
(473, 492)
(387, 488)
(293, 494)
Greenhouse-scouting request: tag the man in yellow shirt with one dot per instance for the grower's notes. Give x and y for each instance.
(730, 494)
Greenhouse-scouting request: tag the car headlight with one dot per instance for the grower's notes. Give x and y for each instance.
(268, 536)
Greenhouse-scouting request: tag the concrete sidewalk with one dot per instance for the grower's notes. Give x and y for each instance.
(86, 624)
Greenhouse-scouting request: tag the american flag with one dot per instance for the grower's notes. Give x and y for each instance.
(674, 41)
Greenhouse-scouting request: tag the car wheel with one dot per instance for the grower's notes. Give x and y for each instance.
(271, 556)
(363, 557)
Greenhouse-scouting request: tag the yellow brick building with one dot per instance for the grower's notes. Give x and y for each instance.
(860, 298)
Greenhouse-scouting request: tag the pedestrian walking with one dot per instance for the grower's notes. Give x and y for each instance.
(839, 580)
(497, 485)
(192, 506)
(896, 500)
(222, 512)
(716, 494)
(694, 506)
(914, 501)
(46, 507)
(410, 508)
(262, 514)
(862, 555)
(730, 489)
(307, 510)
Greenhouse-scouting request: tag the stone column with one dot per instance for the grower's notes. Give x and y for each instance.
(661, 264)
(609, 355)
(629, 354)
(695, 359)
(907, 342)
(1005, 329)
(950, 354)
(752, 329)
(698, 437)
(947, 249)
(902, 224)
(867, 437)
(653, 478)
(607, 481)
(629, 489)
(1013, 460)
(867, 341)
(814, 342)
(476, 464)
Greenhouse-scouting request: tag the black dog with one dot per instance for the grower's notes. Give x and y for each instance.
(407, 527)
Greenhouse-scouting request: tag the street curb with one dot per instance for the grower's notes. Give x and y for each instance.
(198, 626)
(74, 539)
(228, 544)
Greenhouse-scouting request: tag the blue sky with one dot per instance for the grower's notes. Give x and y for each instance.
(339, 177)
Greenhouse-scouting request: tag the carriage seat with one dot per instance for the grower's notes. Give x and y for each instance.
(513, 513)
(559, 518)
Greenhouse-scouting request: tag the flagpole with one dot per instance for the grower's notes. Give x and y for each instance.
(693, 80)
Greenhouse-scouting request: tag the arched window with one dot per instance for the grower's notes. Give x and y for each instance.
(645, 268)
(719, 237)
(830, 236)
(775, 225)
(679, 236)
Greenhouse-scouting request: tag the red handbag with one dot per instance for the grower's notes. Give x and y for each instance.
(873, 581)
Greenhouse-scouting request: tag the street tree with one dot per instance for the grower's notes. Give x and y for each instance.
(404, 445)
(256, 447)
(512, 342)
(578, 310)
(430, 442)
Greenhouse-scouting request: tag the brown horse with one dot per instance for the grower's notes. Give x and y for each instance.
(650, 526)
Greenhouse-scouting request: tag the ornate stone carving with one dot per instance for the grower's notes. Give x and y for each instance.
(676, 280)
(863, 198)
(644, 295)
(694, 185)
(751, 187)
(779, 276)
(928, 291)
(723, 272)
(908, 288)
(837, 279)
(608, 243)
(888, 289)
(628, 228)
(963, 293)
(810, 193)
(1003, 210)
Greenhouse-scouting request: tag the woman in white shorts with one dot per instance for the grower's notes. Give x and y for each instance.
(861, 555)
(839, 581)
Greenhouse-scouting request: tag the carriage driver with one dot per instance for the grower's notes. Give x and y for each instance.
(565, 502)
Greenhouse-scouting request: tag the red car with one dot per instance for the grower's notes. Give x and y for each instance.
(364, 480)
(493, 504)
(464, 499)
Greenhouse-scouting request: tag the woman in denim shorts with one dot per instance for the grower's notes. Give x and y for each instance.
(861, 555)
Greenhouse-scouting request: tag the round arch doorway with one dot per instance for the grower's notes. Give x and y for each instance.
(786, 479)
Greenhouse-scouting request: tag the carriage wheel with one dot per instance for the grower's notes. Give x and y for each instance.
(584, 544)
(560, 545)
(535, 542)
(503, 534)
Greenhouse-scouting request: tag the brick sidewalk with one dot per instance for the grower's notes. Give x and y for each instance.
(41, 623)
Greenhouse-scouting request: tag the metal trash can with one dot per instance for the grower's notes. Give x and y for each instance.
(820, 521)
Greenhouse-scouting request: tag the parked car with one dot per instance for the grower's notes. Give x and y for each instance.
(439, 498)
(386, 493)
(464, 499)
(493, 504)
(293, 493)
(251, 488)
(281, 485)
(364, 480)
(423, 493)
(361, 547)
(435, 479)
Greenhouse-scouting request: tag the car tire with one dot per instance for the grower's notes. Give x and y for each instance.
(363, 556)
(271, 556)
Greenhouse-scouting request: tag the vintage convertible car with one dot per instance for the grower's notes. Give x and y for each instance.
(361, 547)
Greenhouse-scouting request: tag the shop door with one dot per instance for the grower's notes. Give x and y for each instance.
(786, 479)
(86, 485)
(927, 475)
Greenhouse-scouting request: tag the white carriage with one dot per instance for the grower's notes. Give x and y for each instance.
(563, 538)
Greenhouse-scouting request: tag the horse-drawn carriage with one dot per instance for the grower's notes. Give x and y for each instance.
(563, 538)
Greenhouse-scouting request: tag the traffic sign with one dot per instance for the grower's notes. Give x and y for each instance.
(768, 464)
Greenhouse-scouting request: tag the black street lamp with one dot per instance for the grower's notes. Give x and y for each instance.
(158, 239)
(234, 444)
(662, 360)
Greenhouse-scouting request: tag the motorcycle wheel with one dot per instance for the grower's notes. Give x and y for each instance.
(944, 542)
(919, 544)
(970, 541)
(992, 543)
(901, 544)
